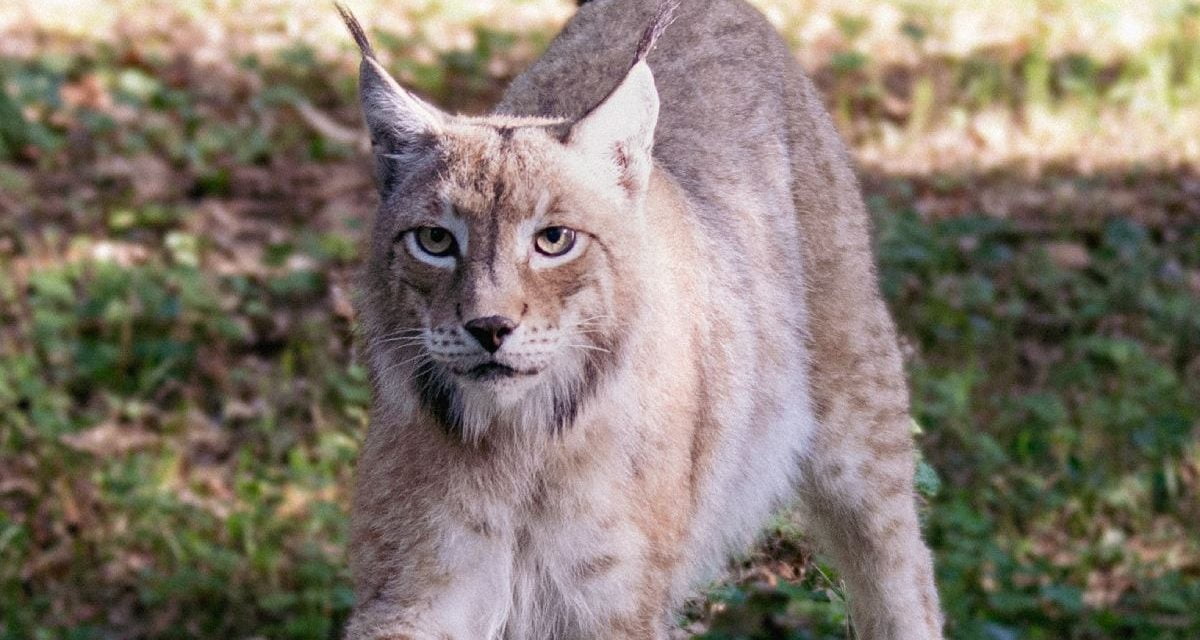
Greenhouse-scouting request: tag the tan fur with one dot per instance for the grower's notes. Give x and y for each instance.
(717, 349)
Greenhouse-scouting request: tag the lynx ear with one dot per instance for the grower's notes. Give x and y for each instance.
(403, 127)
(619, 132)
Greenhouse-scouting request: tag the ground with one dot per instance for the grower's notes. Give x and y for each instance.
(183, 195)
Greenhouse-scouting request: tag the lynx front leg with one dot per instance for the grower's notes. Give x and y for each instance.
(428, 562)
(460, 593)
(859, 501)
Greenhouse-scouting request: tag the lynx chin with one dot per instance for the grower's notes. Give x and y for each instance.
(611, 328)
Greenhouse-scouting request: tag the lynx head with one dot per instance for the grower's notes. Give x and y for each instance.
(501, 272)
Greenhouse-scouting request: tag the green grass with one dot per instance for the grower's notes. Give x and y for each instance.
(1060, 412)
(180, 402)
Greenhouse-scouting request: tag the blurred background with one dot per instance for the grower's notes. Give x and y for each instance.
(183, 191)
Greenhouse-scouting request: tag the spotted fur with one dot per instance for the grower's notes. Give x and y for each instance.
(715, 350)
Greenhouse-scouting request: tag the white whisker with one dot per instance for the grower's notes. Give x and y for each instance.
(586, 346)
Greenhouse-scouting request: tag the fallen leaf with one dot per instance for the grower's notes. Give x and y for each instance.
(1068, 255)
(109, 438)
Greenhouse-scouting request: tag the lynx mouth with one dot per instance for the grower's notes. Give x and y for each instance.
(489, 371)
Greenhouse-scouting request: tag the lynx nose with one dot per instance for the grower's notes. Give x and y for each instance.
(491, 331)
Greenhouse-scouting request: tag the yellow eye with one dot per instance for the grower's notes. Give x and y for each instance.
(554, 241)
(435, 241)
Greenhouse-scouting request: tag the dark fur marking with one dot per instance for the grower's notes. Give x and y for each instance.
(493, 241)
(538, 497)
(892, 529)
(575, 287)
(623, 160)
(399, 157)
(437, 398)
(423, 291)
(480, 528)
(621, 157)
(700, 445)
(567, 406)
(594, 567)
(895, 487)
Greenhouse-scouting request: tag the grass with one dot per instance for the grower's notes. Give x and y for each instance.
(181, 208)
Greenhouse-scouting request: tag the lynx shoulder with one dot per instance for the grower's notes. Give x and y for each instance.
(611, 328)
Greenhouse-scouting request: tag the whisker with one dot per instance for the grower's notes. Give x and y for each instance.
(399, 365)
(586, 347)
(403, 340)
(406, 330)
(401, 336)
(600, 323)
(598, 319)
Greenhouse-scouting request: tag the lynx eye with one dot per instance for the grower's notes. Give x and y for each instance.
(554, 241)
(435, 241)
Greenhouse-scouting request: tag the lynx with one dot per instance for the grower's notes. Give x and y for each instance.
(612, 327)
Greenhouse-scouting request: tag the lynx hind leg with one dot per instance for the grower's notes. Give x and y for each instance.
(858, 500)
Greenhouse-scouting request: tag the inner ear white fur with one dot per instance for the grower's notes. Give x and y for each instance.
(619, 132)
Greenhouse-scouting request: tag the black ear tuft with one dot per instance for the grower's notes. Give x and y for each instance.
(356, 30)
(404, 129)
(662, 19)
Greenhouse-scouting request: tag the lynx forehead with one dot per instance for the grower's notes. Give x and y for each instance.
(611, 327)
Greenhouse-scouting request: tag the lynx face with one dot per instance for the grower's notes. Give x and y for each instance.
(507, 277)
(500, 272)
